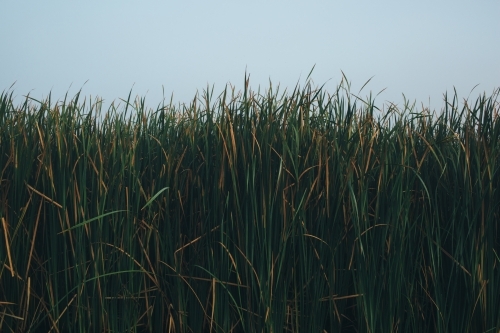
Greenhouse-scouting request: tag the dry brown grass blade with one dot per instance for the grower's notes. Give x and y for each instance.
(44, 196)
(7, 246)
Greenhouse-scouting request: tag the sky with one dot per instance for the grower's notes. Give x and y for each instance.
(152, 49)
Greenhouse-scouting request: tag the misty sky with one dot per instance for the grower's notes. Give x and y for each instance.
(418, 48)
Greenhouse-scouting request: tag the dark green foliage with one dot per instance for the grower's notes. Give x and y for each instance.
(299, 212)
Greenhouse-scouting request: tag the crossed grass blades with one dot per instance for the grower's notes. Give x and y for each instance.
(299, 211)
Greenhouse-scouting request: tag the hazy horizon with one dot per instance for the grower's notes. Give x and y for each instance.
(421, 50)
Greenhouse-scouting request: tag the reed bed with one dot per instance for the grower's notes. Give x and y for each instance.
(301, 211)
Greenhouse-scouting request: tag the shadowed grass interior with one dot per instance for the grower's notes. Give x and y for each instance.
(301, 211)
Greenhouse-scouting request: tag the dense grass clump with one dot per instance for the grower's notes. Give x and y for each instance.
(297, 212)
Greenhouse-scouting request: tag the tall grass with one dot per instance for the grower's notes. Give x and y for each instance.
(299, 211)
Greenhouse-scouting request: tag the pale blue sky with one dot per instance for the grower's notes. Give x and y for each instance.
(419, 48)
